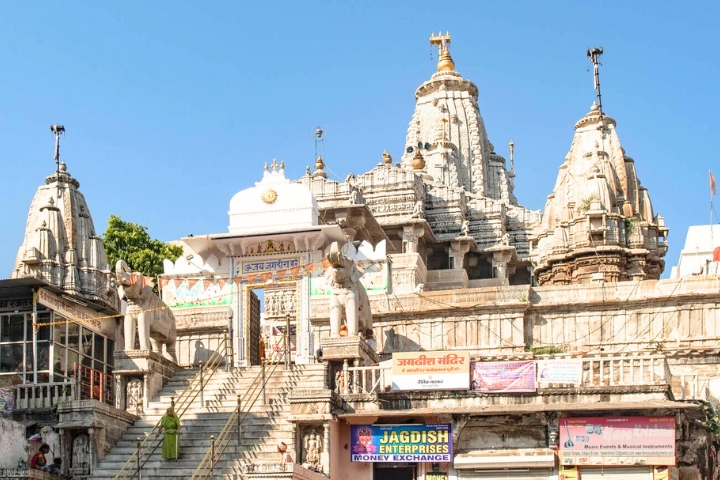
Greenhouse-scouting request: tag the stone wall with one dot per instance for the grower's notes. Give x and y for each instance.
(14, 445)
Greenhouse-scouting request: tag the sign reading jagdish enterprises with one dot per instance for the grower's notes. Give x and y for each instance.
(401, 443)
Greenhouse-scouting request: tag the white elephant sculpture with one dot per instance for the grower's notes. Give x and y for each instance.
(146, 312)
(347, 294)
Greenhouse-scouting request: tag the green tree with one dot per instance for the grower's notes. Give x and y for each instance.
(131, 242)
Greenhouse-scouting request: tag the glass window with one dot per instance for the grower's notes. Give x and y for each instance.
(86, 343)
(60, 369)
(11, 357)
(14, 325)
(59, 332)
(73, 335)
(43, 332)
(110, 353)
(99, 348)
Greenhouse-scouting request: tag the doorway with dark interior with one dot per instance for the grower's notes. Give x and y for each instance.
(395, 471)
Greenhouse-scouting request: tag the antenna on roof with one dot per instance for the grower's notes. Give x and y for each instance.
(594, 56)
(319, 141)
(57, 130)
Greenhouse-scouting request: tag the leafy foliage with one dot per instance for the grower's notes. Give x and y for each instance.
(712, 419)
(543, 349)
(131, 242)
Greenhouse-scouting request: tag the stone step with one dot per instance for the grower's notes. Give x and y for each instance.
(264, 427)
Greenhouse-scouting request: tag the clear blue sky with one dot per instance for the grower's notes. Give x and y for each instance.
(173, 107)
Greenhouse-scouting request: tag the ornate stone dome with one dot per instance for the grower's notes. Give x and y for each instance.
(272, 204)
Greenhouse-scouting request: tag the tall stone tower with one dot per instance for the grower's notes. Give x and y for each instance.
(598, 224)
(61, 247)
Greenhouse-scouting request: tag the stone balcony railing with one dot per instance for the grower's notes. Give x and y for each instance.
(598, 372)
(43, 395)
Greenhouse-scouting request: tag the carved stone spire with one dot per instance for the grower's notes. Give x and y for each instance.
(60, 245)
(598, 224)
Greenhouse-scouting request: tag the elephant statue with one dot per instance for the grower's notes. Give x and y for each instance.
(146, 312)
(347, 294)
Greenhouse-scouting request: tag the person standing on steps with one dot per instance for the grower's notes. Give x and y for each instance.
(170, 428)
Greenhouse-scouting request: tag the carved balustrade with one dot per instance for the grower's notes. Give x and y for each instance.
(43, 395)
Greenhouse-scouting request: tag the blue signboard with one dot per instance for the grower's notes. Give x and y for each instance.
(401, 443)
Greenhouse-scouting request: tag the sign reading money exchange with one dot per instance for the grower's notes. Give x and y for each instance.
(401, 443)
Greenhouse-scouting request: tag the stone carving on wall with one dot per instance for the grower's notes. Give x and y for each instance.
(145, 312)
(348, 297)
(280, 302)
(81, 452)
(313, 445)
(134, 396)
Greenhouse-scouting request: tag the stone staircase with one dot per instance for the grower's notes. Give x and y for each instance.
(264, 428)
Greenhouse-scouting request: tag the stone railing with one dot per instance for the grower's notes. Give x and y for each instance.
(363, 380)
(43, 395)
(690, 387)
(597, 372)
(619, 371)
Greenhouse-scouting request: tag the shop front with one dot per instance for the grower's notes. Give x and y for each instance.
(403, 452)
(617, 448)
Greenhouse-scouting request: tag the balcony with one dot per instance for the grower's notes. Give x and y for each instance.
(637, 380)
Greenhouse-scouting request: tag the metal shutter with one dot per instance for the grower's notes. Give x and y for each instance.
(500, 475)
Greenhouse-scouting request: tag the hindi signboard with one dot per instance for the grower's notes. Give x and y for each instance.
(566, 371)
(75, 312)
(401, 443)
(617, 441)
(504, 376)
(436, 370)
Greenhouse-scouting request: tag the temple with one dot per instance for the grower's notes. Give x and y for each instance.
(411, 322)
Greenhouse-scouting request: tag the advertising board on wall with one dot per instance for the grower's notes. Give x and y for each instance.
(565, 371)
(617, 441)
(401, 443)
(436, 370)
(504, 376)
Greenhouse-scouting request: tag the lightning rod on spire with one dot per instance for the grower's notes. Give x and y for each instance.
(594, 56)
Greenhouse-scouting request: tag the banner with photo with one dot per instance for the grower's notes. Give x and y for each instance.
(566, 371)
(7, 400)
(617, 441)
(503, 376)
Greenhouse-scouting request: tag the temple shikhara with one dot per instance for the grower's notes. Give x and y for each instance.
(412, 322)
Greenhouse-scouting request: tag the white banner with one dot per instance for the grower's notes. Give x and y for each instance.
(567, 371)
(435, 370)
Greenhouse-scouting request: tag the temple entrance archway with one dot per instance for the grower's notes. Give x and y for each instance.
(267, 310)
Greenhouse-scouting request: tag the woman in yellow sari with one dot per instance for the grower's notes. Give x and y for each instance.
(170, 428)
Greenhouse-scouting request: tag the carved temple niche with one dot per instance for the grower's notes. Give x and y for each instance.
(314, 446)
(80, 455)
(134, 395)
(280, 302)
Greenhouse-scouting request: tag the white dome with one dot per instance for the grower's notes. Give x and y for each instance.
(273, 204)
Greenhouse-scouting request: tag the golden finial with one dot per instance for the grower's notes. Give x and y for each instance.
(445, 64)
(274, 164)
(319, 165)
(266, 167)
(418, 160)
(282, 164)
(387, 158)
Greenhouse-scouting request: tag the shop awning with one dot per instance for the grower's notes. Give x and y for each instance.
(505, 459)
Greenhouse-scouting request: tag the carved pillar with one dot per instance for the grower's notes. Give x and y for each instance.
(501, 257)
(410, 236)
(458, 249)
(325, 455)
(92, 453)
